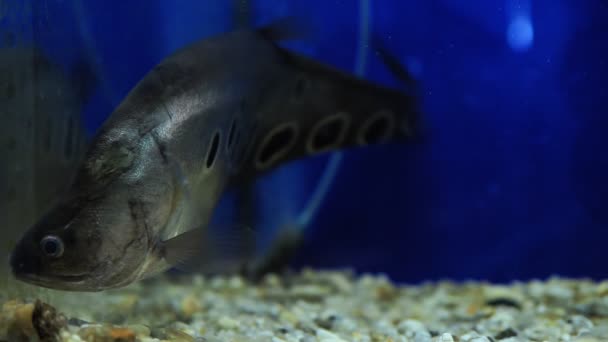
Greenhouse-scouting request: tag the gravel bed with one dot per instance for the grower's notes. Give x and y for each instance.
(314, 306)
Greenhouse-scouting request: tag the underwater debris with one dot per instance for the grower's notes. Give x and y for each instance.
(36, 321)
(235, 309)
(47, 321)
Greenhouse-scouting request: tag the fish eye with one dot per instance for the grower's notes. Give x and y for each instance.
(52, 246)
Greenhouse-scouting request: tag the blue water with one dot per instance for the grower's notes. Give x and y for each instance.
(510, 182)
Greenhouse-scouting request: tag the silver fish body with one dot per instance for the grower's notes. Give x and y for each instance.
(217, 113)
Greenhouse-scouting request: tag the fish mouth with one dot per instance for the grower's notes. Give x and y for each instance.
(46, 280)
(54, 281)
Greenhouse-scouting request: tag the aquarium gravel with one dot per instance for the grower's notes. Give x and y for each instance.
(316, 306)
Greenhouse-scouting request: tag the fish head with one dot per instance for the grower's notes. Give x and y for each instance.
(57, 253)
(101, 235)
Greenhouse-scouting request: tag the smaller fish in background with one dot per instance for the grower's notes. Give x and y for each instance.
(216, 114)
(42, 139)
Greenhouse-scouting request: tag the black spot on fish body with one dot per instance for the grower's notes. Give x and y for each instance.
(231, 133)
(377, 129)
(276, 144)
(213, 150)
(329, 133)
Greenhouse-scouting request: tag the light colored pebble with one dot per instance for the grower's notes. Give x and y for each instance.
(445, 337)
(228, 323)
(327, 336)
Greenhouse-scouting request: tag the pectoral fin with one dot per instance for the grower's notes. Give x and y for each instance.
(210, 251)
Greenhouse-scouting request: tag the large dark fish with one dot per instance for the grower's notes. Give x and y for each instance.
(217, 113)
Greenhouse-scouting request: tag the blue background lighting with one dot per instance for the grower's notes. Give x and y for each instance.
(511, 180)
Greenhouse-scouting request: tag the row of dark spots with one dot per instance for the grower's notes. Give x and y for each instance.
(328, 134)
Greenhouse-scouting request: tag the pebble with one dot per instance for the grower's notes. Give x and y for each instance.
(340, 282)
(122, 334)
(474, 337)
(190, 305)
(228, 323)
(309, 292)
(327, 336)
(445, 337)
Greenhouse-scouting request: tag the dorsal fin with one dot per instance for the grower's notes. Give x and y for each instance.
(393, 64)
(285, 28)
